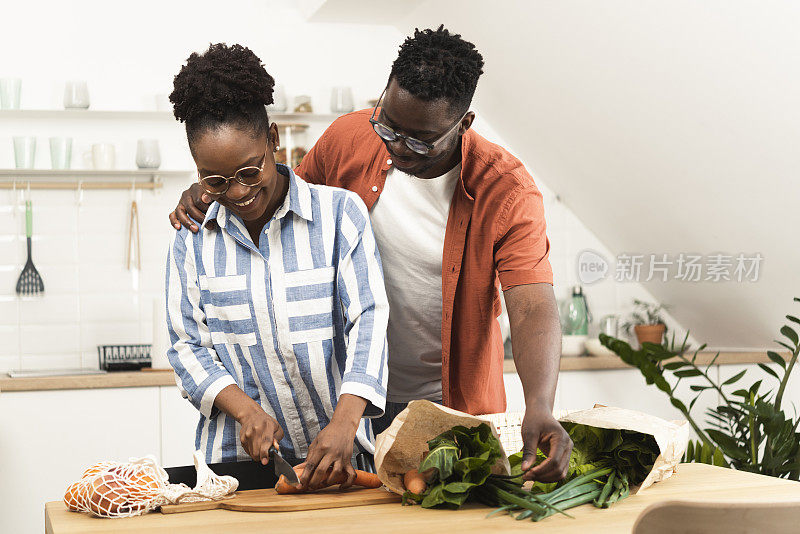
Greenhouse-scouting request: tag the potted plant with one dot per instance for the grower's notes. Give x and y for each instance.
(751, 428)
(646, 322)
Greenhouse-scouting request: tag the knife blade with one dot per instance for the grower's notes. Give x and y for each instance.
(282, 467)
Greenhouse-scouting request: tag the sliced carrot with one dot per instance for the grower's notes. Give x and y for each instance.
(363, 479)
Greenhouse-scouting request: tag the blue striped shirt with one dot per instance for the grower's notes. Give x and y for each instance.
(294, 322)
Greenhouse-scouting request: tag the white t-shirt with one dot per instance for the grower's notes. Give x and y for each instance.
(409, 221)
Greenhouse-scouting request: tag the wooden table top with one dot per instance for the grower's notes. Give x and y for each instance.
(693, 482)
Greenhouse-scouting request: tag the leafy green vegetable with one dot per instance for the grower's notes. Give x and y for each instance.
(603, 465)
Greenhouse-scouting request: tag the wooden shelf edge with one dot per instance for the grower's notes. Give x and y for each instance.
(144, 114)
(166, 377)
(126, 379)
(601, 363)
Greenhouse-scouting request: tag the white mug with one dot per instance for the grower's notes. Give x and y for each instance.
(102, 156)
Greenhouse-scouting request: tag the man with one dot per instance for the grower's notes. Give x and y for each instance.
(454, 217)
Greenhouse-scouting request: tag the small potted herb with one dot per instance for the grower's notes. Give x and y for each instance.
(646, 322)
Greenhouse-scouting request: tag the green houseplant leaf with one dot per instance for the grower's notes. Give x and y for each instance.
(749, 430)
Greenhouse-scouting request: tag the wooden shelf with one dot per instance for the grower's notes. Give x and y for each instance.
(302, 117)
(86, 179)
(152, 378)
(95, 114)
(92, 173)
(85, 114)
(601, 363)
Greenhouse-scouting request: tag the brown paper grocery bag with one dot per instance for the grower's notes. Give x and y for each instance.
(399, 448)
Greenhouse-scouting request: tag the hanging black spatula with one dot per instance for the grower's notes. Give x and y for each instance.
(30, 281)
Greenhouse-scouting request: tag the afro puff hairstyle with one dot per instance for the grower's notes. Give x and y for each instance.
(438, 64)
(225, 84)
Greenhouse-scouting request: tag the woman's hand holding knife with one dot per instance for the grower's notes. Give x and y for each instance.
(329, 456)
(259, 430)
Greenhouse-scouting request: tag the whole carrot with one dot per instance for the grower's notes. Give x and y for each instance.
(363, 479)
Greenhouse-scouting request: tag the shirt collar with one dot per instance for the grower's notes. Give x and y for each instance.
(298, 200)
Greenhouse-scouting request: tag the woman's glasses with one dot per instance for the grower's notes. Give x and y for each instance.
(217, 184)
(417, 145)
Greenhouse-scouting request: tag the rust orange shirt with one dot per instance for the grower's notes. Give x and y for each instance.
(495, 237)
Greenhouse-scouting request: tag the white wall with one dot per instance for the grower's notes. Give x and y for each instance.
(128, 58)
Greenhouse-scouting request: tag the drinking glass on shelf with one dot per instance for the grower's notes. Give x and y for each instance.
(76, 95)
(61, 152)
(342, 100)
(10, 90)
(148, 155)
(24, 152)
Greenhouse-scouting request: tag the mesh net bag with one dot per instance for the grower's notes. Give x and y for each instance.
(113, 489)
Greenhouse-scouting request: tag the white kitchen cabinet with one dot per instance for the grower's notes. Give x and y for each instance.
(178, 423)
(623, 388)
(515, 398)
(49, 438)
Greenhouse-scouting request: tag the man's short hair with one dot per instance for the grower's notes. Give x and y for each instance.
(437, 64)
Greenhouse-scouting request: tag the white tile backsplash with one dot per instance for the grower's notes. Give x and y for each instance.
(90, 298)
(153, 274)
(110, 307)
(9, 308)
(107, 248)
(60, 278)
(57, 220)
(49, 309)
(106, 278)
(109, 333)
(9, 273)
(51, 249)
(54, 360)
(9, 342)
(46, 338)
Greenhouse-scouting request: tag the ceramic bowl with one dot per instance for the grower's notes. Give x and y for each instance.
(595, 348)
(573, 345)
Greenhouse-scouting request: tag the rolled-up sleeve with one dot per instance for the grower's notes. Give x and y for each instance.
(522, 249)
(362, 294)
(199, 372)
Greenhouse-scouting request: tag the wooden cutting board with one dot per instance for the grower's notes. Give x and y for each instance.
(267, 500)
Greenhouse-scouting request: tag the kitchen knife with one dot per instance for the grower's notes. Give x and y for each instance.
(282, 467)
(250, 474)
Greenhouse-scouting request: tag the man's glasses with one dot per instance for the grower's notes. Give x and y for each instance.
(217, 184)
(418, 146)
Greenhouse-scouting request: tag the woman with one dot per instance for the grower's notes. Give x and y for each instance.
(276, 309)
